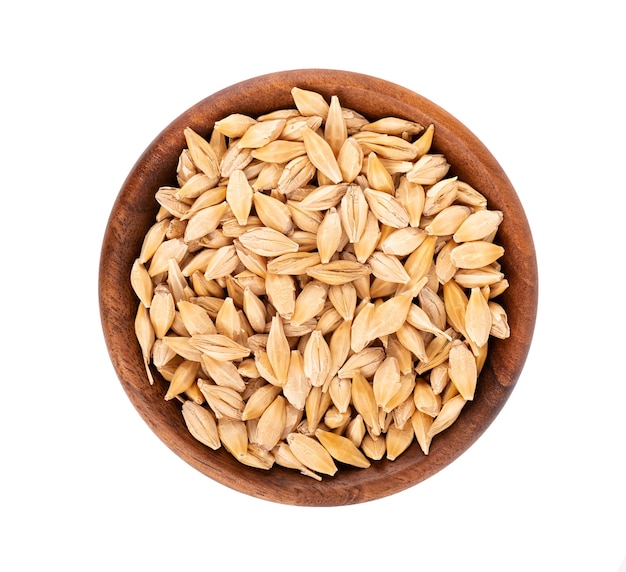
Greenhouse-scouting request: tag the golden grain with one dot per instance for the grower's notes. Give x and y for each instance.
(378, 176)
(317, 359)
(273, 213)
(475, 254)
(201, 424)
(386, 382)
(259, 401)
(388, 267)
(223, 373)
(219, 347)
(162, 310)
(478, 225)
(342, 449)
(144, 331)
(297, 173)
(311, 453)
(271, 423)
(204, 221)
(386, 146)
(278, 350)
(168, 249)
(261, 133)
(499, 321)
(309, 302)
(233, 435)
(344, 298)
(449, 413)
(421, 423)
(329, 235)
(223, 401)
(350, 159)
(429, 169)
(387, 208)
(394, 126)
(266, 241)
(397, 440)
(298, 385)
(202, 155)
(390, 315)
(223, 263)
(448, 220)
(478, 317)
(353, 211)
(141, 283)
(284, 457)
(424, 142)
(374, 448)
(239, 196)
(338, 272)
(153, 239)
(462, 369)
(364, 402)
(321, 155)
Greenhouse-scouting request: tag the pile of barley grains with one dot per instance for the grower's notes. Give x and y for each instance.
(318, 289)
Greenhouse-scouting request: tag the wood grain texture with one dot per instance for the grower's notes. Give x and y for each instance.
(133, 213)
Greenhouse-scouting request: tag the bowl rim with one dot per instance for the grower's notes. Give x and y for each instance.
(348, 486)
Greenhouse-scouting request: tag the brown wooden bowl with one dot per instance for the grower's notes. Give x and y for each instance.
(134, 212)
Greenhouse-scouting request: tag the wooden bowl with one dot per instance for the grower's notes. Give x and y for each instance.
(134, 212)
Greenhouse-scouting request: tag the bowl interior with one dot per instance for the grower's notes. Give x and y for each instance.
(134, 211)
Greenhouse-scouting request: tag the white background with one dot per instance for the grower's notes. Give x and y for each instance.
(85, 87)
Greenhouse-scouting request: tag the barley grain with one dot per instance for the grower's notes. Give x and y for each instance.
(298, 385)
(350, 159)
(421, 423)
(219, 347)
(233, 435)
(449, 413)
(338, 272)
(387, 208)
(223, 373)
(162, 310)
(284, 457)
(311, 454)
(478, 319)
(398, 440)
(374, 448)
(429, 169)
(475, 254)
(202, 155)
(388, 267)
(462, 369)
(342, 449)
(310, 302)
(273, 213)
(317, 359)
(478, 225)
(278, 350)
(386, 382)
(424, 142)
(266, 241)
(386, 146)
(201, 424)
(223, 401)
(329, 235)
(378, 176)
(141, 283)
(195, 318)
